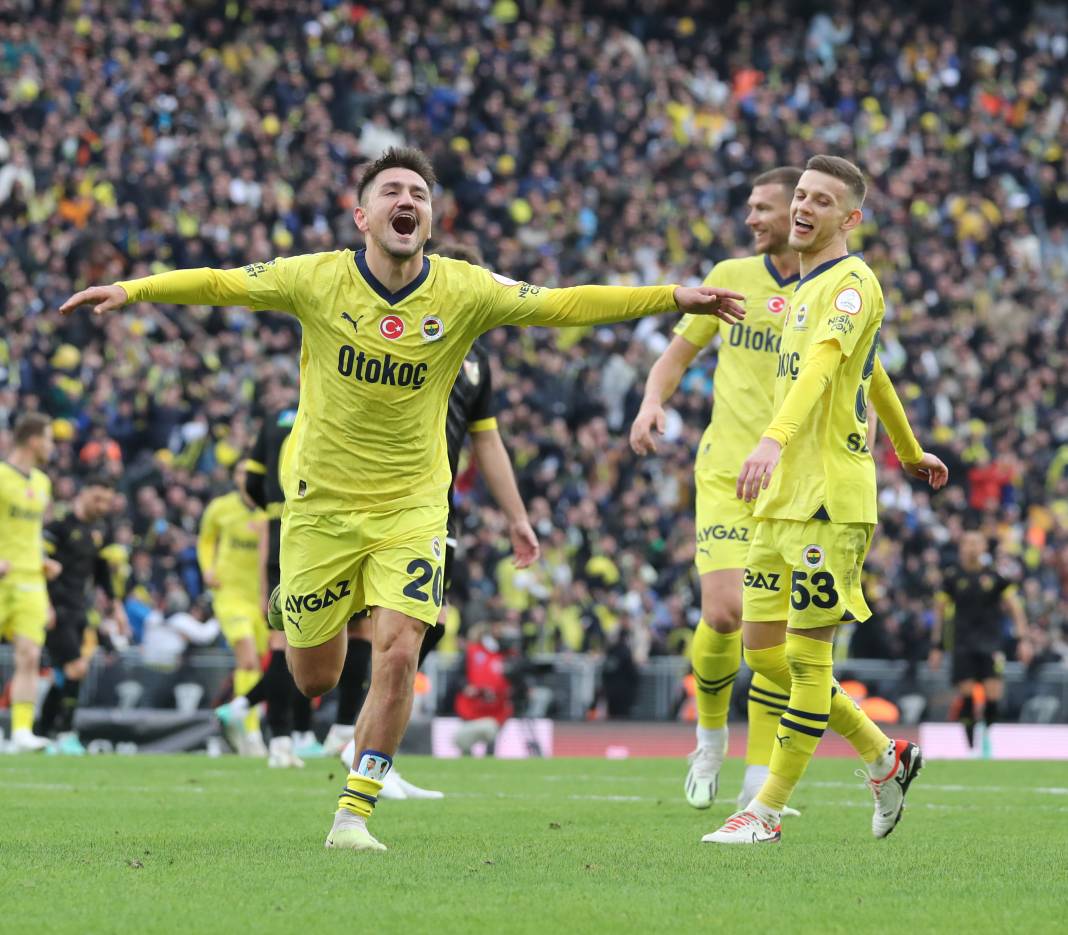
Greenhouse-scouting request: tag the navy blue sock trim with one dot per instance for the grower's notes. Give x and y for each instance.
(809, 715)
(768, 704)
(767, 694)
(793, 725)
(359, 795)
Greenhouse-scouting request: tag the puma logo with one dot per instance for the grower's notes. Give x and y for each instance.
(783, 741)
(354, 322)
(295, 621)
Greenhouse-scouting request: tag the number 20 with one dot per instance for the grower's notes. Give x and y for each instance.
(424, 572)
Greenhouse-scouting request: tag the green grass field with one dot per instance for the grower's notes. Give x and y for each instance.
(185, 843)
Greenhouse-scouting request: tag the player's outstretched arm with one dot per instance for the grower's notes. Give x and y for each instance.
(664, 378)
(516, 303)
(916, 462)
(756, 472)
(202, 286)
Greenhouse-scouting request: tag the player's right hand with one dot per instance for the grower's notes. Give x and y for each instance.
(707, 300)
(211, 580)
(934, 660)
(102, 298)
(931, 469)
(650, 418)
(5, 566)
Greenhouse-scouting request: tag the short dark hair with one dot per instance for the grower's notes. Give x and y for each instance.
(460, 251)
(786, 176)
(97, 480)
(841, 169)
(398, 157)
(30, 425)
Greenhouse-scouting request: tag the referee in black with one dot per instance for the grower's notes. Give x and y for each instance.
(974, 632)
(76, 542)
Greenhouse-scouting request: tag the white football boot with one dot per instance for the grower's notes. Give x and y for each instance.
(889, 790)
(350, 833)
(745, 827)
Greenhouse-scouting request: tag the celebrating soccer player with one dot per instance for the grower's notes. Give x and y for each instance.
(471, 411)
(385, 331)
(25, 492)
(744, 386)
(817, 508)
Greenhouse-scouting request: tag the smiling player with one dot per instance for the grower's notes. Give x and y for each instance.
(817, 509)
(744, 387)
(366, 476)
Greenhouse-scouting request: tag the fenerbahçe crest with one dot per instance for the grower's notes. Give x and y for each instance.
(813, 556)
(432, 328)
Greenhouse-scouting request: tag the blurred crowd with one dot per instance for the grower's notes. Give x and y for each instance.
(575, 142)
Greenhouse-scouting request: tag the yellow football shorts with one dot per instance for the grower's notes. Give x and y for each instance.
(725, 524)
(23, 607)
(806, 573)
(337, 564)
(240, 618)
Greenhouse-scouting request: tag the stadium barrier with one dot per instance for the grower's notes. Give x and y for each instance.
(123, 682)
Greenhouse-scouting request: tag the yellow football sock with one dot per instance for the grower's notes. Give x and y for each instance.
(772, 664)
(244, 681)
(855, 726)
(21, 715)
(360, 795)
(805, 719)
(365, 782)
(715, 657)
(766, 705)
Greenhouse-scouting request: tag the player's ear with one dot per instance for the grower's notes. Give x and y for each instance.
(359, 217)
(853, 219)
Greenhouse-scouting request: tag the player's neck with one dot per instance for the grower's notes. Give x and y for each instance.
(786, 264)
(22, 460)
(393, 273)
(833, 251)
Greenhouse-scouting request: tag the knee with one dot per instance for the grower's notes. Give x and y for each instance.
(722, 616)
(27, 656)
(77, 670)
(315, 683)
(393, 671)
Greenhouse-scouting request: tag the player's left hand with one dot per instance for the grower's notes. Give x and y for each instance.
(525, 546)
(931, 469)
(706, 300)
(758, 468)
(52, 568)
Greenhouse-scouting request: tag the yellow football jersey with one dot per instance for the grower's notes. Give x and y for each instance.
(229, 543)
(827, 463)
(376, 368)
(23, 503)
(744, 380)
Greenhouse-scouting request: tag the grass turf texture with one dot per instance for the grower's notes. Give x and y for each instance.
(163, 844)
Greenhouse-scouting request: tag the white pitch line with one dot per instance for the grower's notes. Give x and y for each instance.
(932, 787)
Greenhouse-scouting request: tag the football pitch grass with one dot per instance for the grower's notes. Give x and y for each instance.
(185, 843)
